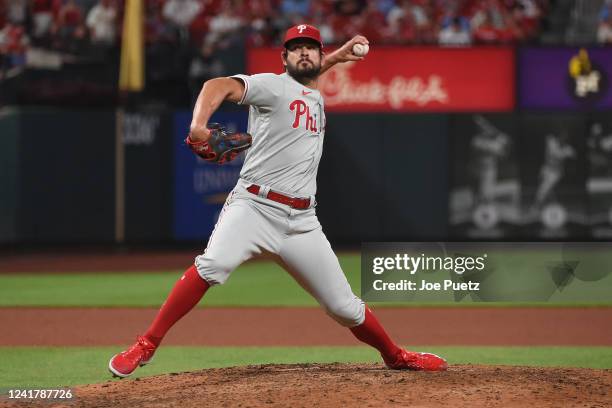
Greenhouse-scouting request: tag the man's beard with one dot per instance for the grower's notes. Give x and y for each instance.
(304, 75)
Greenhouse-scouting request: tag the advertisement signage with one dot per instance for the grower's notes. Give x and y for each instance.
(565, 78)
(392, 79)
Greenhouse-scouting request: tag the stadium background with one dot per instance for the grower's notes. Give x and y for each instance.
(471, 120)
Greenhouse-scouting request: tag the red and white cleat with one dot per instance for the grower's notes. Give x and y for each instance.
(124, 363)
(411, 360)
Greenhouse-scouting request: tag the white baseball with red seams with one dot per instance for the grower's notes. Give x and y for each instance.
(287, 122)
(361, 49)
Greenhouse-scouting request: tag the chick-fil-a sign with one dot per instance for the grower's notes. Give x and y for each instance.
(396, 79)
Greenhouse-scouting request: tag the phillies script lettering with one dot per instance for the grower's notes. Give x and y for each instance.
(340, 88)
(301, 109)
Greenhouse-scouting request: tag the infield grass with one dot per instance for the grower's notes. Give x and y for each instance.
(36, 367)
(260, 283)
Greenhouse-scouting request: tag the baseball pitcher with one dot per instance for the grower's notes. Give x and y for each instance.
(271, 210)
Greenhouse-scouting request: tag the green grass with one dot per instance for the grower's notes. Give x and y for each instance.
(34, 367)
(253, 284)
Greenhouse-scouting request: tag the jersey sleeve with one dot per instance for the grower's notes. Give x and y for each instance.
(261, 90)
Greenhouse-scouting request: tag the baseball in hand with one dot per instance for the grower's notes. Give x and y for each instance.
(360, 49)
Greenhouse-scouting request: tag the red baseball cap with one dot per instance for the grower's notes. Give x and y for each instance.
(303, 31)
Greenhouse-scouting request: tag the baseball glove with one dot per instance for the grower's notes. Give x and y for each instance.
(222, 146)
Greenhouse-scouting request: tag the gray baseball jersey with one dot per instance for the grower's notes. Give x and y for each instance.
(287, 122)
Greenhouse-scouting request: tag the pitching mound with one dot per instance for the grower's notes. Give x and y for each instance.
(356, 385)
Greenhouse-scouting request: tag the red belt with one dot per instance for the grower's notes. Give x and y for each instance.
(297, 203)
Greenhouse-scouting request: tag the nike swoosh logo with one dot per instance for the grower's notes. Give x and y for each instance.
(306, 93)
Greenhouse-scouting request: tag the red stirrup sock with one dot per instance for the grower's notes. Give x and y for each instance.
(185, 294)
(371, 332)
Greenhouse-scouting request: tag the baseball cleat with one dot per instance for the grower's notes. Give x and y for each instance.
(411, 360)
(123, 364)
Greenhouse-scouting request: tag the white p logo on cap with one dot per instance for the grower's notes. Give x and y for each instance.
(301, 28)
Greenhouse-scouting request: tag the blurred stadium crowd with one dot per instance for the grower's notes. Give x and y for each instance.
(187, 38)
(73, 25)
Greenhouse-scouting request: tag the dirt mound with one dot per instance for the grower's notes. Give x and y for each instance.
(356, 385)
